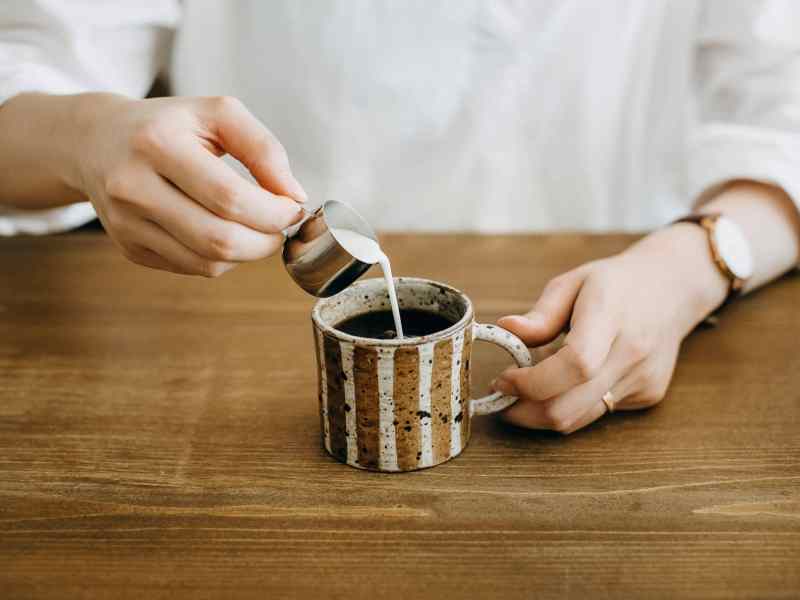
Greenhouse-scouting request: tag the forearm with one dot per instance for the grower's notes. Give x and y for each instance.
(39, 144)
(681, 252)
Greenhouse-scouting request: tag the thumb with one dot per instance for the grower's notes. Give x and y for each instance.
(551, 313)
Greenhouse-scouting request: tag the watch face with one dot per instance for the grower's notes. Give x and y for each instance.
(733, 247)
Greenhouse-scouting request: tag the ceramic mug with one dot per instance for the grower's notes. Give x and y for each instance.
(401, 405)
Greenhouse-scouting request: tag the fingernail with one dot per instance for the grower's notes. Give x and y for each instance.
(296, 192)
(522, 317)
(505, 386)
(298, 217)
(505, 321)
(300, 193)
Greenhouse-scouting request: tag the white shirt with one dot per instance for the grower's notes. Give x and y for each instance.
(481, 115)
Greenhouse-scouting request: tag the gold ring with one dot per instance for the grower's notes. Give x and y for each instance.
(608, 400)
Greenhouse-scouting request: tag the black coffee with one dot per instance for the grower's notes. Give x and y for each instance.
(380, 324)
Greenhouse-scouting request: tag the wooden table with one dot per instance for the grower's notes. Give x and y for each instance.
(159, 438)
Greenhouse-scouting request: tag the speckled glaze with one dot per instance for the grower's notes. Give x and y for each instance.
(401, 405)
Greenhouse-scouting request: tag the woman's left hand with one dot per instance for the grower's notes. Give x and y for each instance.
(627, 316)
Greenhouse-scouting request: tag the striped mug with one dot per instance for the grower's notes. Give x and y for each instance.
(401, 405)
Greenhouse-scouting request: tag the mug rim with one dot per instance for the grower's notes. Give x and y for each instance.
(325, 327)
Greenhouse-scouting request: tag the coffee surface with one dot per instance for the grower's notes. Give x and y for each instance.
(379, 324)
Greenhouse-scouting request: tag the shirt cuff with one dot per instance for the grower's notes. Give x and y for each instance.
(721, 153)
(44, 221)
(35, 77)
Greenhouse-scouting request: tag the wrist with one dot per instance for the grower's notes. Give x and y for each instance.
(52, 136)
(85, 115)
(682, 256)
(46, 145)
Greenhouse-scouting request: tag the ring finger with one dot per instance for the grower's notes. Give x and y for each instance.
(577, 407)
(619, 393)
(598, 408)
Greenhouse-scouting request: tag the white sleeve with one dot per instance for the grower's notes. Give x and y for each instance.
(748, 92)
(72, 46)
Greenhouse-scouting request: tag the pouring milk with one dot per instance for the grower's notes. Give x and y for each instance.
(368, 251)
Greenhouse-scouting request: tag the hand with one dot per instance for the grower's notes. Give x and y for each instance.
(152, 170)
(627, 317)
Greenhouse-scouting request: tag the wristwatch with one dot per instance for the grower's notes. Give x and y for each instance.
(729, 249)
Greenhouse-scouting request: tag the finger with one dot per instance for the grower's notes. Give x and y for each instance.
(586, 348)
(183, 260)
(620, 392)
(594, 412)
(540, 353)
(599, 408)
(563, 414)
(246, 138)
(202, 231)
(208, 180)
(647, 384)
(148, 258)
(550, 315)
(579, 406)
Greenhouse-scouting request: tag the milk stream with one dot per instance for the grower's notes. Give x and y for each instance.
(367, 250)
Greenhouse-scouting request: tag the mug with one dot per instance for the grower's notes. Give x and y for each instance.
(401, 404)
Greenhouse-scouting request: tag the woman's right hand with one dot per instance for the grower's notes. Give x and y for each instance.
(154, 173)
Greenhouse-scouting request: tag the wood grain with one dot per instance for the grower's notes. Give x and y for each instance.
(159, 437)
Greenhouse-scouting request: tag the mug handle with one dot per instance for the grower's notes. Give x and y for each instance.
(505, 339)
